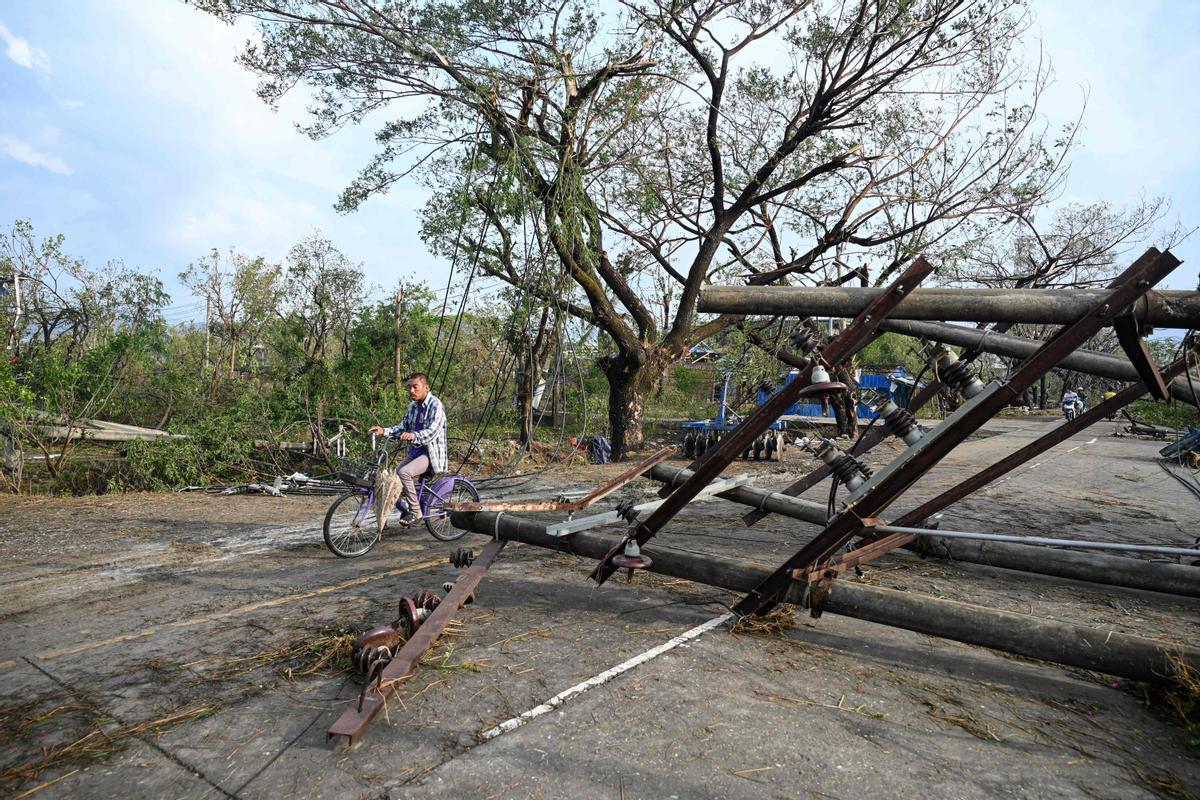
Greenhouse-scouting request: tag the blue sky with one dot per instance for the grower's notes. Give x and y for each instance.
(127, 126)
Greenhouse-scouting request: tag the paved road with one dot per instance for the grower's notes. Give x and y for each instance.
(123, 611)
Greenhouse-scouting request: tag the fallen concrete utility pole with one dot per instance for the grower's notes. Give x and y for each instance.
(1167, 309)
(1082, 544)
(1104, 651)
(1179, 579)
(578, 524)
(1139, 428)
(1111, 570)
(1090, 362)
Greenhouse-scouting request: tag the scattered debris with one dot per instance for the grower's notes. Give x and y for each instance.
(103, 740)
(297, 483)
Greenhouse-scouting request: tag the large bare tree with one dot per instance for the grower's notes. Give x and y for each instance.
(661, 145)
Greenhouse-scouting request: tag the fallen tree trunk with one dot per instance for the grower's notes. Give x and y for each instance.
(1132, 657)
(1110, 570)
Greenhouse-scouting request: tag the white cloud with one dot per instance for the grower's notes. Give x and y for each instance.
(22, 53)
(26, 154)
(255, 218)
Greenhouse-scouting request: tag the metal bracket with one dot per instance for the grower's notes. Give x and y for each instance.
(354, 720)
(1129, 334)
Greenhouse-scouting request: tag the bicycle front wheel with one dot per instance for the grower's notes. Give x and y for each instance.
(350, 528)
(438, 522)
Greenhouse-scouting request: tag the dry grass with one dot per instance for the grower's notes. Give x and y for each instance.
(1179, 703)
(326, 651)
(1072, 725)
(839, 706)
(1165, 784)
(439, 658)
(1183, 699)
(773, 624)
(959, 718)
(19, 719)
(97, 744)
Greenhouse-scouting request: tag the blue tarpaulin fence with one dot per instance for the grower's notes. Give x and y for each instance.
(897, 383)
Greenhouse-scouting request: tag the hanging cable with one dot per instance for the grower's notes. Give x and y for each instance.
(455, 250)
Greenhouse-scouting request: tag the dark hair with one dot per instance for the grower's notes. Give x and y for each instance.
(418, 376)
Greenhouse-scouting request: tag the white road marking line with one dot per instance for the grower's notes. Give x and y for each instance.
(603, 677)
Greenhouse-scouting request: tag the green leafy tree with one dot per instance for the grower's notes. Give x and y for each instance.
(823, 140)
(74, 337)
(241, 293)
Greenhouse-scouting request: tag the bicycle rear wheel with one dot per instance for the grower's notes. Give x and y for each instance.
(438, 522)
(350, 528)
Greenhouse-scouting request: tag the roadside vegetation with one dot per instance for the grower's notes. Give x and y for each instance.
(298, 355)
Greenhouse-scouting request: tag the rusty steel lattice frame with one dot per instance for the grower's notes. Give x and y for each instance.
(571, 506)
(354, 720)
(1125, 290)
(841, 347)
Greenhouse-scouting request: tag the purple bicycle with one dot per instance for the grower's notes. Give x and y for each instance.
(350, 525)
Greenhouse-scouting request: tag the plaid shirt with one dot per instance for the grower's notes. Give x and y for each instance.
(431, 436)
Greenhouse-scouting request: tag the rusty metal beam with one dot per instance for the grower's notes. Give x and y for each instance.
(1148, 270)
(354, 720)
(841, 347)
(567, 506)
(1129, 334)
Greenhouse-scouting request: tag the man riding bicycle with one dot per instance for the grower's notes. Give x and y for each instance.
(424, 428)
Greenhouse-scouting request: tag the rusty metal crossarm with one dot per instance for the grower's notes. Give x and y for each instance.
(841, 347)
(1148, 270)
(861, 555)
(354, 720)
(591, 497)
